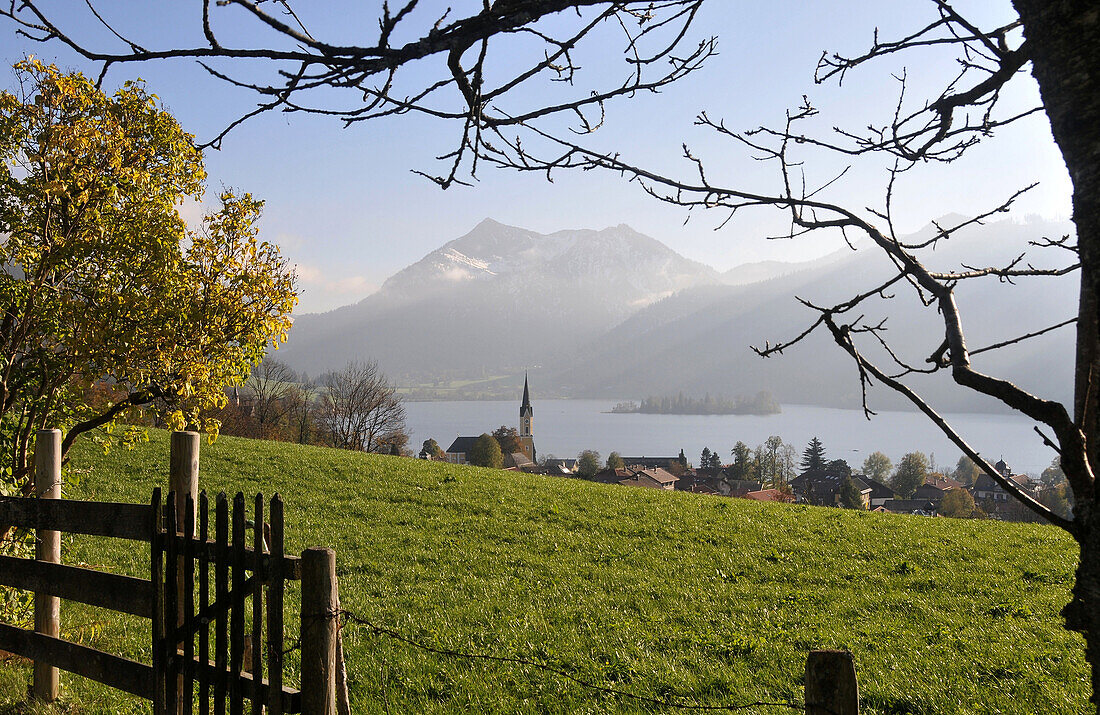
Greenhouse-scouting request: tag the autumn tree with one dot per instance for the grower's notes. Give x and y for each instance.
(911, 472)
(485, 452)
(588, 463)
(957, 503)
(105, 291)
(878, 466)
(966, 472)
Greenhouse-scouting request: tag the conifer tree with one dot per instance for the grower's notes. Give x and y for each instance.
(813, 457)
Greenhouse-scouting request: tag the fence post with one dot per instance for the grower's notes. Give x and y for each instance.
(320, 613)
(831, 687)
(47, 609)
(183, 479)
(184, 475)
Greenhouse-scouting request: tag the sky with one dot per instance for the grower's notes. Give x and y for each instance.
(347, 210)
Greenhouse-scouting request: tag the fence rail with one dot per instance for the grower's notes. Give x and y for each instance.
(201, 594)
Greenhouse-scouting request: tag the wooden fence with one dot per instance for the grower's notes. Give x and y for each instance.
(205, 581)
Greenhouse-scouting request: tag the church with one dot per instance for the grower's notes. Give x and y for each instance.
(458, 450)
(526, 423)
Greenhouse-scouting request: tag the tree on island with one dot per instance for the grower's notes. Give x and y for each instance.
(813, 457)
(911, 473)
(485, 452)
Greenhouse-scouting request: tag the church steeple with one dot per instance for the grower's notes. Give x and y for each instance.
(526, 422)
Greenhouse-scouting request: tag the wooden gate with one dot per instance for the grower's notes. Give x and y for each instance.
(214, 601)
(227, 601)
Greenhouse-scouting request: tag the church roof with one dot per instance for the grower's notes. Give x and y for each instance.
(526, 394)
(462, 445)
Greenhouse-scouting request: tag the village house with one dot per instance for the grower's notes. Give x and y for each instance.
(988, 491)
(920, 507)
(880, 493)
(770, 495)
(655, 478)
(652, 462)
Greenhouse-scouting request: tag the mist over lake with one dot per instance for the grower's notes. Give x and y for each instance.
(565, 427)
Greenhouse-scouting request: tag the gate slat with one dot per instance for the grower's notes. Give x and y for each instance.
(188, 606)
(275, 608)
(204, 602)
(236, 615)
(257, 604)
(221, 593)
(171, 608)
(156, 578)
(122, 521)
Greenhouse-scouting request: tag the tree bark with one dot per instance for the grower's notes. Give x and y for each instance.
(1064, 37)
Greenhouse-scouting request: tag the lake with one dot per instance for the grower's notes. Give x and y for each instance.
(565, 427)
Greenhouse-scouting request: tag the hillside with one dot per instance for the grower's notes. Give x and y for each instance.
(662, 594)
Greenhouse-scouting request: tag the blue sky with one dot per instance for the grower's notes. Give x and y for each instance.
(346, 209)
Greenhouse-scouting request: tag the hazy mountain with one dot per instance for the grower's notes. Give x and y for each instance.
(766, 270)
(617, 314)
(697, 341)
(498, 299)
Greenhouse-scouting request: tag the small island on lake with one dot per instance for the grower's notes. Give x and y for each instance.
(761, 404)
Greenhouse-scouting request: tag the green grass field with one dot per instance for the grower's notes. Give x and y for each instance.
(668, 595)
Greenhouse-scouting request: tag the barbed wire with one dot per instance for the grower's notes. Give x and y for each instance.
(345, 616)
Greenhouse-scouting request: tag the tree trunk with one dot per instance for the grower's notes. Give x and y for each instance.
(1063, 37)
(1082, 614)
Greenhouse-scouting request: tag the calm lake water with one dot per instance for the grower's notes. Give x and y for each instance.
(565, 427)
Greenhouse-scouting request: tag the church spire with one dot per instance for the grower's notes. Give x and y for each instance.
(526, 415)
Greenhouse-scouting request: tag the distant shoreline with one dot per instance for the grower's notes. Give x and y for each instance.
(760, 405)
(755, 413)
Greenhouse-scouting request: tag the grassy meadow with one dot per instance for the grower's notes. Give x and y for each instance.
(701, 599)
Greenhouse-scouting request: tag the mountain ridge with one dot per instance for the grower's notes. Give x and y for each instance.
(614, 313)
